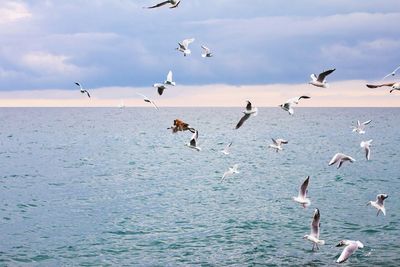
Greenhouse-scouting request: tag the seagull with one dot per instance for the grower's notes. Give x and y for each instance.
(314, 235)
(340, 157)
(232, 170)
(351, 247)
(393, 73)
(207, 51)
(378, 203)
(277, 144)
(173, 3)
(360, 127)
(302, 197)
(320, 80)
(395, 86)
(146, 99)
(288, 105)
(225, 151)
(184, 46)
(82, 90)
(181, 126)
(193, 141)
(366, 145)
(247, 113)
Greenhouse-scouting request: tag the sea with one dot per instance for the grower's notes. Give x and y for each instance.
(115, 187)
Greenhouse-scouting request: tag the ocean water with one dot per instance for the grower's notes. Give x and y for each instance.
(114, 187)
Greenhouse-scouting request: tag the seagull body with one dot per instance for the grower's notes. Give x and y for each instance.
(249, 111)
(395, 86)
(225, 151)
(148, 100)
(277, 144)
(314, 235)
(288, 105)
(361, 126)
(173, 3)
(366, 145)
(350, 247)
(82, 90)
(184, 46)
(180, 125)
(320, 81)
(232, 170)
(206, 52)
(340, 158)
(378, 203)
(393, 73)
(302, 197)
(193, 141)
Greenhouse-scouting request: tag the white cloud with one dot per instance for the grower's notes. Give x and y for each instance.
(11, 11)
(46, 63)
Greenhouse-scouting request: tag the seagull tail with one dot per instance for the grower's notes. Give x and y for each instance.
(321, 242)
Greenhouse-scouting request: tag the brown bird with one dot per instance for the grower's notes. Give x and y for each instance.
(181, 126)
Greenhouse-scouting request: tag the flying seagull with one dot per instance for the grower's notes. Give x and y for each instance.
(184, 46)
(361, 126)
(173, 3)
(302, 197)
(225, 151)
(320, 81)
(82, 90)
(378, 203)
(206, 52)
(314, 235)
(232, 170)
(366, 145)
(162, 86)
(146, 99)
(340, 158)
(193, 141)
(350, 247)
(277, 144)
(393, 73)
(180, 125)
(395, 86)
(288, 105)
(250, 110)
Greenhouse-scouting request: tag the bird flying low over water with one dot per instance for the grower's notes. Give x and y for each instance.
(225, 151)
(366, 145)
(232, 170)
(173, 3)
(250, 110)
(206, 52)
(378, 203)
(393, 73)
(350, 247)
(146, 99)
(82, 90)
(395, 86)
(314, 235)
(288, 105)
(277, 144)
(361, 126)
(320, 81)
(302, 196)
(193, 141)
(184, 46)
(180, 125)
(340, 158)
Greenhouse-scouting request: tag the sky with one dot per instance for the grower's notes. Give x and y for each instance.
(263, 50)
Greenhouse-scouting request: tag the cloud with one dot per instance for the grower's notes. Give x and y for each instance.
(11, 11)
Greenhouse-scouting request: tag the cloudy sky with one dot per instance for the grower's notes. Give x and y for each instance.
(264, 50)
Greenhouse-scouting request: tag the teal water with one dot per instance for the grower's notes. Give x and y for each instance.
(104, 186)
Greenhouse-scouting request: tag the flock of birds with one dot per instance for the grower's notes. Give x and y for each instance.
(350, 246)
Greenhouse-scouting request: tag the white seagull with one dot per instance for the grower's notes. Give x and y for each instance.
(314, 235)
(378, 203)
(277, 144)
(173, 3)
(288, 105)
(162, 86)
(393, 73)
(366, 145)
(207, 51)
(193, 141)
(340, 158)
(148, 100)
(225, 151)
(320, 81)
(184, 46)
(361, 126)
(350, 247)
(250, 110)
(82, 90)
(395, 86)
(302, 197)
(232, 170)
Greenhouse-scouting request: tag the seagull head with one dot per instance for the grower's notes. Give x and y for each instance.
(342, 243)
(305, 237)
(383, 196)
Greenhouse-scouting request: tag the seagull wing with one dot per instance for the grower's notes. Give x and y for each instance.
(367, 152)
(315, 224)
(160, 89)
(169, 77)
(366, 122)
(313, 77)
(303, 188)
(304, 97)
(186, 42)
(347, 252)
(242, 120)
(206, 49)
(336, 158)
(154, 104)
(248, 106)
(379, 85)
(160, 4)
(281, 141)
(275, 142)
(80, 86)
(87, 93)
(193, 140)
(322, 75)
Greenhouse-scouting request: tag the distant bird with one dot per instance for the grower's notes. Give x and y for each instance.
(350, 247)
(320, 81)
(395, 86)
(366, 145)
(277, 144)
(288, 105)
(193, 141)
(361, 126)
(302, 196)
(82, 90)
(182, 126)
(314, 235)
(393, 73)
(250, 110)
(232, 170)
(206, 52)
(173, 3)
(340, 158)
(146, 99)
(225, 151)
(184, 46)
(378, 203)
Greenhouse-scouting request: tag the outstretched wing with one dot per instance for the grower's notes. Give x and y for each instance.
(347, 252)
(322, 75)
(303, 187)
(206, 49)
(379, 85)
(186, 42)
(193, 140)
(315, 224)
(87, 93)
(242, 120)
(169, 76)
(160, 4)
